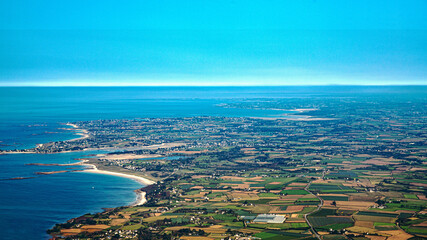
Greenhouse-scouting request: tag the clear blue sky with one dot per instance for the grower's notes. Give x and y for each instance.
(213, 42)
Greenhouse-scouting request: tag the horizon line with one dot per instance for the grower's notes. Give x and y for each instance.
(278, 85)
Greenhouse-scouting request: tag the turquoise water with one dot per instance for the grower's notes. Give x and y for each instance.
(30, 116)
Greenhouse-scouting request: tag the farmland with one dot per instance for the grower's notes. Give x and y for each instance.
(356, 168)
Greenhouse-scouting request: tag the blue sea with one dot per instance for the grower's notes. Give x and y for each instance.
(33, 115)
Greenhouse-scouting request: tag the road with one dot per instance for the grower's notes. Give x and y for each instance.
(317, 209)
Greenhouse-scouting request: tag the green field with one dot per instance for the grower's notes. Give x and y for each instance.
(267, 235)
(132, 227)
(378, 214)
(410, 206)
(224, 217)
(417, 230)
(330, 188)
(334, 198)
(294, 192)
(279, 235)
(279, 225)
(324, 221)
(267, 195)
(336, 226)
(410, 196)
(383, 224)
(386, 227)
(307, 203)
(324, 212)
(334, 237)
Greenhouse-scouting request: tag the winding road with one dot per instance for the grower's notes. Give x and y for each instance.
(317, 209)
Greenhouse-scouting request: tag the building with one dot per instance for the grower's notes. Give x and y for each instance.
(269, 218)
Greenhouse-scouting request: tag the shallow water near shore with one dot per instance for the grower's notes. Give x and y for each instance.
(31, 206)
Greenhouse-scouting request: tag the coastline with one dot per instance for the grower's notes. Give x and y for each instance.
(140, 199)
(83, 133)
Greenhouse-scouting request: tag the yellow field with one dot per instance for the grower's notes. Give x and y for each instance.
(116, 222)
(152, 219)
(196, 238)
(85, 228)
(70, 232)
(294, 209)
(397, 235)
(366, 224)
(376, 237)
(240, 195)
(356, 205)
(260, 208)
(374, 218)
(358, 229)
(211, 229)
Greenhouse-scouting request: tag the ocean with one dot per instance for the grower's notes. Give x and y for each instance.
(34, 115)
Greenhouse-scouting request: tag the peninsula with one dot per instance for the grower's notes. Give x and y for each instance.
(347, 174)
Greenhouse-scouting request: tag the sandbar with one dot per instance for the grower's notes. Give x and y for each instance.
(83, 132)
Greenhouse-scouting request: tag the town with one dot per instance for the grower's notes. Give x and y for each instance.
(349, 170)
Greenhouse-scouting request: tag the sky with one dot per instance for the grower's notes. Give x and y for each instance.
(212, 43)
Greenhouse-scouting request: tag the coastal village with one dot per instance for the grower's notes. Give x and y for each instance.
(329, 170)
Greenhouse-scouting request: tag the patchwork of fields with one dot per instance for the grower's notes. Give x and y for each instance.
(354, 169)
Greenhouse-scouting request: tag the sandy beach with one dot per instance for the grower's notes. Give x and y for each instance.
(140, 194)
(83, 133)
